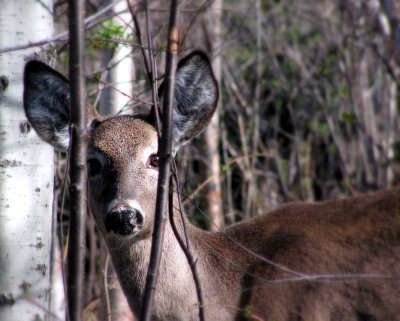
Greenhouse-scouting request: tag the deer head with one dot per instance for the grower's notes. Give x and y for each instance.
(122, 151)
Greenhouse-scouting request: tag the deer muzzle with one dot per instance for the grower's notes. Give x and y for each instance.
(124, 221)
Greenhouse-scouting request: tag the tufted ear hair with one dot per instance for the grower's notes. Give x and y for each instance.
(196, 97)
(47, 103)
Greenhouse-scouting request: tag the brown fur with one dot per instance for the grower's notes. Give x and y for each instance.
(337, 260)
(358, 236)
(342, 240)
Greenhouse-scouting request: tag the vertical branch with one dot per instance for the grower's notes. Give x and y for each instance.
(152, 73)
(185, 246)
(78, 150)
(251, 187)
(389, 10)
(394, 32)
(135, 20)
(164, 153)
(213, 133)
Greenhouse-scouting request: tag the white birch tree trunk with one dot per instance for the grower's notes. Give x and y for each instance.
(119, 81)
(212, 133)
(26, 174)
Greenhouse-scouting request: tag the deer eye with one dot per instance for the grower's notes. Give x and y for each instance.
(153, 161)
(94, 167)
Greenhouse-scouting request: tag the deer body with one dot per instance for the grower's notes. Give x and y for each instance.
(325, 261)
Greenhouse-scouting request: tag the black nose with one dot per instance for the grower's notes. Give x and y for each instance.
(124, 221)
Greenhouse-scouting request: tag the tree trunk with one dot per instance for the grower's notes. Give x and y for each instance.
(26, 174)
(118, 88)
(212, 133)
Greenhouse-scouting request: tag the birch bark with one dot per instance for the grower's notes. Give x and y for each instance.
(26, 174)
(212, 133)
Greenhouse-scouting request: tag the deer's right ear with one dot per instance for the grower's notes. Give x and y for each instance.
(196, 97)
(47, 103)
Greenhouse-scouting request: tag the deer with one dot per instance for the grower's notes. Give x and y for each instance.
(331, 260)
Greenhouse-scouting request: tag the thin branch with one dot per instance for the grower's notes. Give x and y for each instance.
(390, 11)
(78, 151)
(178, 188)
(144, 102)
(106, 292)
(120, 42)
(60, 37)
(227, 164)
(164, 169)
(152, 75)
(185, 247)
(340, 277)
(133, 12)
(249, 251)
(201, 9)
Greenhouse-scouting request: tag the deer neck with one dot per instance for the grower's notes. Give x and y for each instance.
(175, 281)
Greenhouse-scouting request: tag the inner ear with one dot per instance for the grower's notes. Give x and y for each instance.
(196, 97)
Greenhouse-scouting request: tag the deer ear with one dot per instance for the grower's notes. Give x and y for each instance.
(196, 97)
(47, 103)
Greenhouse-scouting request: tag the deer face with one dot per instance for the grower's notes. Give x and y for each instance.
(122, 175)
(122, 151)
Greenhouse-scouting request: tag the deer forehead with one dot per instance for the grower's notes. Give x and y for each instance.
(124, 137)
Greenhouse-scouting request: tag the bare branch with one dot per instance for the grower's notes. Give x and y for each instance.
(185, 247)
(139, 37)
(78, 151)
(164, 169)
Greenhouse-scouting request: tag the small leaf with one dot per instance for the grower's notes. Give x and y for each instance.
(348, 117)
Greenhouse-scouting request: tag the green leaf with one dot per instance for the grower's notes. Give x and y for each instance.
(348, 117)
(107, 35)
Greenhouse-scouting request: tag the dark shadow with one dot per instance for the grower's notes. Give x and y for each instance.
(244, 308)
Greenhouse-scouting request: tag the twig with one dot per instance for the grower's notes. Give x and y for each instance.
(389, 10)
(185, 247)
(228, 164)
(139, 38)
(298, 276)
(152, 74)
(144, 102)
(202, 8)
(119, 42)
(105, 276)
(255, 137)
(340, 277)
(164, 169)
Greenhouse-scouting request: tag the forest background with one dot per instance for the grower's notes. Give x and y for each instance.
(308, 110)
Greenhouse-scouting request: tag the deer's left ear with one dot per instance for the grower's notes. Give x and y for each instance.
(196, 97)
(47, 103)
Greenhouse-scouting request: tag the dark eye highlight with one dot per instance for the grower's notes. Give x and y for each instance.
(154, 161)
(94, 167)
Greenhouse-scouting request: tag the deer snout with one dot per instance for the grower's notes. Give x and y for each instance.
(124, 221)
